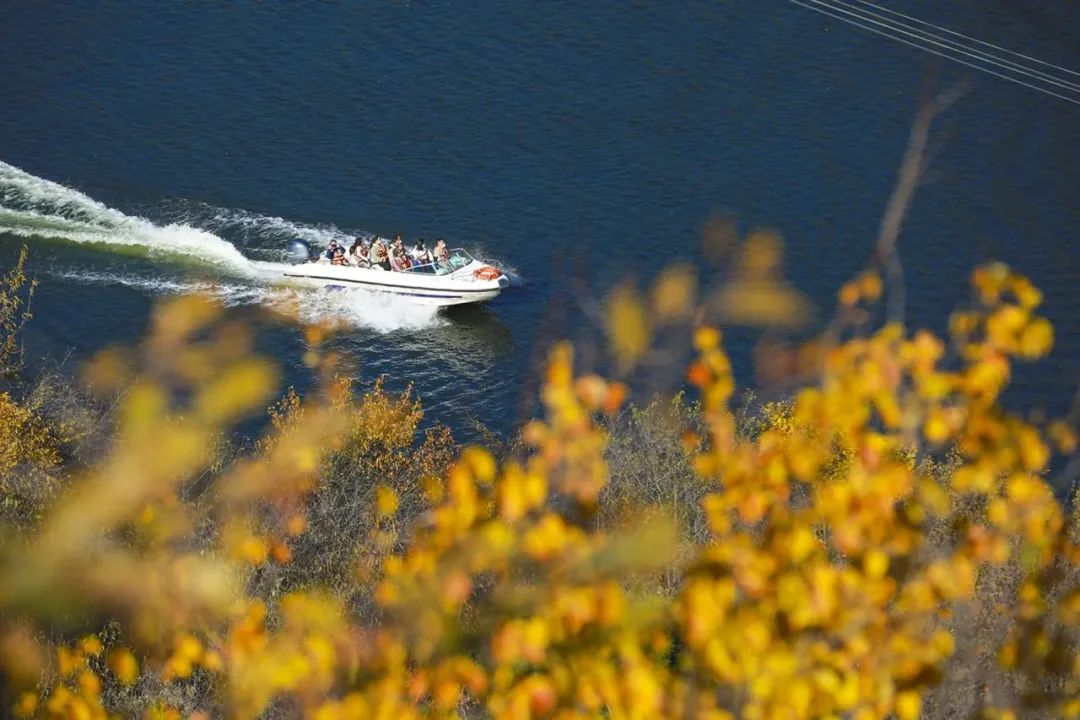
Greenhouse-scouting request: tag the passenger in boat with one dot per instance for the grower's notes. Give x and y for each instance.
(441, 253)
(399, 260)
(331, 250)
(339, 257)
(380, 254)
(420, 254)
(399, 244)
(359, 254)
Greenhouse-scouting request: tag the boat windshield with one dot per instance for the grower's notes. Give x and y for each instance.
(457, 260)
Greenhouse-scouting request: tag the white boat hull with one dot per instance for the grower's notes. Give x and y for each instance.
(457, 288)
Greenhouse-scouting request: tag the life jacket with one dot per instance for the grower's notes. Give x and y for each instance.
(379, 251)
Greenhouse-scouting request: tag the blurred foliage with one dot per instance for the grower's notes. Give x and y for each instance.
(882, 542)
(757, 294)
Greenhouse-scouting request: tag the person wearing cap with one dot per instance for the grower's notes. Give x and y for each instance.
(331, 250)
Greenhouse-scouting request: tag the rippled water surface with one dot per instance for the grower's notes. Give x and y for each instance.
(155, 148)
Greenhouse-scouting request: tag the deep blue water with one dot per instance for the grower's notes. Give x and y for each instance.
(582, 143)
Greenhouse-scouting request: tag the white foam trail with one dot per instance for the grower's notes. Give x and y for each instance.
(255, 233)
(245, 221)
(34, 207)
(377, 311)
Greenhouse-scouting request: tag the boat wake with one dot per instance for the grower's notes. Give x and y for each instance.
(35, 208)
(31, 207)
(262, 235)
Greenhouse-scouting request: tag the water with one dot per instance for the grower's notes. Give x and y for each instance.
(168, 148)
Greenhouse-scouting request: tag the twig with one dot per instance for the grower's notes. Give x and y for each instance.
(912, 169)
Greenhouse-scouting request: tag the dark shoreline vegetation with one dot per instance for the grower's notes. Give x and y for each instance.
(881, 543)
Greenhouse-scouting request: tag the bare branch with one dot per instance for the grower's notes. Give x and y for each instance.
(911, 169)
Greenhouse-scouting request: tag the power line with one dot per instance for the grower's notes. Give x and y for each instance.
(967, 37)
(833, 10)
(815, 7)
(949, 44)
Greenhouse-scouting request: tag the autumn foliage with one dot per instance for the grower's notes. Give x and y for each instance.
(880, 541)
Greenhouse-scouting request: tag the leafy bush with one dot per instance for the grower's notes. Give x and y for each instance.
(16, 297)
(883, 543)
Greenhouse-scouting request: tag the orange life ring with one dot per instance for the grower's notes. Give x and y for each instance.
(487, 273)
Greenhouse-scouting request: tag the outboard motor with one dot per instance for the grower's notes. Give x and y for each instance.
(299, 251)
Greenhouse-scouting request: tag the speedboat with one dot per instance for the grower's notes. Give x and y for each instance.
(458, 280)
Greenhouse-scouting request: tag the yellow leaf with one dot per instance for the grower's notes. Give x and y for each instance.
(175, 320)
(68, 661)
(706, 338)
(188, 647)
(296, 525)
(145, 402)
(761, 255)
(936, 430)
(481, 462)
(90, 645)
(89, 684)
(762, 303)
(281, 553)
(123, 665)
(908, 705)
(801, 544)
(386, 501)
(628, 326)
(212, 661)
(511, 495)
(849, 295)
(251, 549)
(989, 281)
(673, 293)
(870, 286)
(239, 389)
(875, 563)
(1029, 296)
(1036, 339)
(26, 705)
